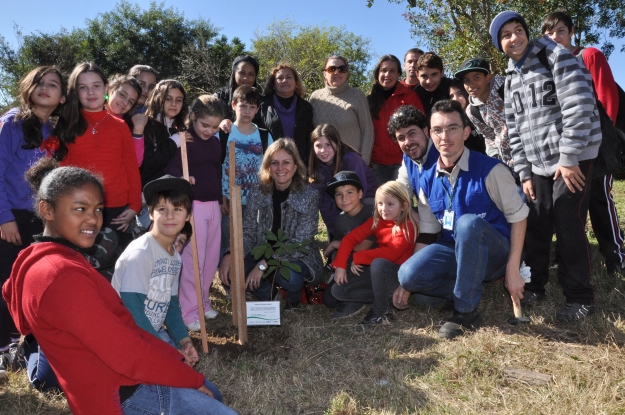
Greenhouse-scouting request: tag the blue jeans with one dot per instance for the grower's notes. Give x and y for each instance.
(40, 374)
(456, 271)
(165, 400)
(293, 286)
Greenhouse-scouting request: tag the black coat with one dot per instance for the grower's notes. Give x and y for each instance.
(268, 118)
(158, 150)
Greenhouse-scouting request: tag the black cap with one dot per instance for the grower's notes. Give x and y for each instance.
(343, 178)
(473, 65)
(167, 182)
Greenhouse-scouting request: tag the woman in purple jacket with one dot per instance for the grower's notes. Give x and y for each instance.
(330, 156)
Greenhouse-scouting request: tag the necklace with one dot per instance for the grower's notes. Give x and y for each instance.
(93, 127)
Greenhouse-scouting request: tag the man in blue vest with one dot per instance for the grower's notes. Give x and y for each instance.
(472, 201)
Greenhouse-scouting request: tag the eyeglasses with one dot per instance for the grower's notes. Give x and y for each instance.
(451, 130)
(335, 69)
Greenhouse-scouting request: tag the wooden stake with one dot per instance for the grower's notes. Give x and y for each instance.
(237, 268)
(196, 267)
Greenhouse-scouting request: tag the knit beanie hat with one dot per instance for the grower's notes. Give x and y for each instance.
(500, 20)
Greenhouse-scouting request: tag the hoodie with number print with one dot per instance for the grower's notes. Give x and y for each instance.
(551, 111)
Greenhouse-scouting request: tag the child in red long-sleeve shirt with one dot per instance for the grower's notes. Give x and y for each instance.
(395, 236)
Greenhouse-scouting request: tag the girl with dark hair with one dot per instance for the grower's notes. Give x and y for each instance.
(458, 93)
(104, 362)
(25, 137)
(344, 107)
(102, 144)
(284, 111)
(330, 156)
(244, 72)
(168, 105)
(387, 94)
(147, 77)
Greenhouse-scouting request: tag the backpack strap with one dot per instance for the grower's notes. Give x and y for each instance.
(475, 111)
(542, 58)
(223, 140)
(264, 138)
(501, 89)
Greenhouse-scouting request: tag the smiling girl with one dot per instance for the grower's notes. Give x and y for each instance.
(204, 157)
(101, 143)
(330, 156)
(24, 139)
(114, 366)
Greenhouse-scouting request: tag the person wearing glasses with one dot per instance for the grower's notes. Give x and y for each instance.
(344, 107)
(472, 201)
(283, 109)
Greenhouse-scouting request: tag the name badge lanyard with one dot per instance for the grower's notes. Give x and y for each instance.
(448, 218)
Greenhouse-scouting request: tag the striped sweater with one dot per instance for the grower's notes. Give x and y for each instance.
(551, 112)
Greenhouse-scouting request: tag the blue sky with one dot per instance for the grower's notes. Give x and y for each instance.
(383, 23)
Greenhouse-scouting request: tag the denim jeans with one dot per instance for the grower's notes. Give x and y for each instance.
(165, 400)
(385, 173)
(40, 374)
(293, 286)
(456, 271)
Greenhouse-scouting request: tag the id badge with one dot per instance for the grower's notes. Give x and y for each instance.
(448, 220)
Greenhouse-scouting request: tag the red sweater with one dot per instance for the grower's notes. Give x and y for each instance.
(602, 77)
(89, 337)
(393, 248)
(110, 153)
(385, 150)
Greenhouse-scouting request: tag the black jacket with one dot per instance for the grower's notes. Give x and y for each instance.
(158, 150)
(268, 118)
(428, 99)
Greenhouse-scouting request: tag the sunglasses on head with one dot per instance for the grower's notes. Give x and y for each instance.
(335, 69)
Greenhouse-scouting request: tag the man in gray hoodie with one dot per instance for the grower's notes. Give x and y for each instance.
(555, 133)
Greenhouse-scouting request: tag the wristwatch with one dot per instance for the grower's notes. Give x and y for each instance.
(262, 267)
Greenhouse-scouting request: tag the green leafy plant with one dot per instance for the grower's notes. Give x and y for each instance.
(274, 251)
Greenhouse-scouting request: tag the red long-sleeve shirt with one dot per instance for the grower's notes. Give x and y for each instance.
(89, 337)
(393, 248)
(110, 153)
(602, 77)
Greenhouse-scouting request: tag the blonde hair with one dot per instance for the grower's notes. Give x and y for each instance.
(300, 89)
(404, 223)
(266, 183)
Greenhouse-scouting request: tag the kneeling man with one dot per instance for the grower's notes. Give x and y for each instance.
(472, 200)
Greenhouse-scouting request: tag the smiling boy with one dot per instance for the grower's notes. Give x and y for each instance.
(433, 85)
(555, 133)
(147, 273)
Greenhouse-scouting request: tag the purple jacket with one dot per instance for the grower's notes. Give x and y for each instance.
(351, 162)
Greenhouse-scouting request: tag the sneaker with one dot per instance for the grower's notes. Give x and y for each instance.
(347, 309)
(290, 305)
(573, 311)
(17, 352)
(195, 326)
(211, 314)
(370, 320)
(531, 298)
(5, 363)
(459, 323)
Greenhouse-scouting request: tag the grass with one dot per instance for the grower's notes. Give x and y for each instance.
(312, 365)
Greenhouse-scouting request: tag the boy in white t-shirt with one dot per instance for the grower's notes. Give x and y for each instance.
(147, 273)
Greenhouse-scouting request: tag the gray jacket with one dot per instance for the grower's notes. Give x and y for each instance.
(551, 113)
(300, 218)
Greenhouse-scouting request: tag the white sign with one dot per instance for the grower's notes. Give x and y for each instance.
(263, 313)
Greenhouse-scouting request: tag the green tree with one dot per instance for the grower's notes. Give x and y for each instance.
(307, 47)
(458, 29)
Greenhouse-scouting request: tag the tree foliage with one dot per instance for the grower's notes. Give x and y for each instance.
(458, 29)
(307, 47)
(118, 39)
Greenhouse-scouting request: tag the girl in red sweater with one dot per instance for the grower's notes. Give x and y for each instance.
(102, 144)
(395, 235)
(104, 362)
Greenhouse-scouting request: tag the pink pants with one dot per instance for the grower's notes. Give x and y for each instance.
(207, 217)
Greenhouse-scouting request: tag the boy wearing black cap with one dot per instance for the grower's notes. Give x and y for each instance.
(346, 188)
(555, 133)
(486, 106)
(147, 273)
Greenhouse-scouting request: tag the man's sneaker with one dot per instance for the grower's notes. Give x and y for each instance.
(573, 311)
(459, 323)
(290, 305)
(5, 363)
(370, 320)
(531, 298)
(211, 314)
(195, 326)
(18, 359)
(347, 309)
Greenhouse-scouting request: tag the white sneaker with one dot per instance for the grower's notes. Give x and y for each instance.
(211, 314)
(195, 326)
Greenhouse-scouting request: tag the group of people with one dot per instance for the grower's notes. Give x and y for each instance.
(94, 213)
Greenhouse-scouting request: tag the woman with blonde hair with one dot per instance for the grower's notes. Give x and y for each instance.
(283, 200)
(284, 111)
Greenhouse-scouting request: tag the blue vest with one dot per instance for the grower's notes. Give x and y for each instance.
(470, 197)
(413, 169)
